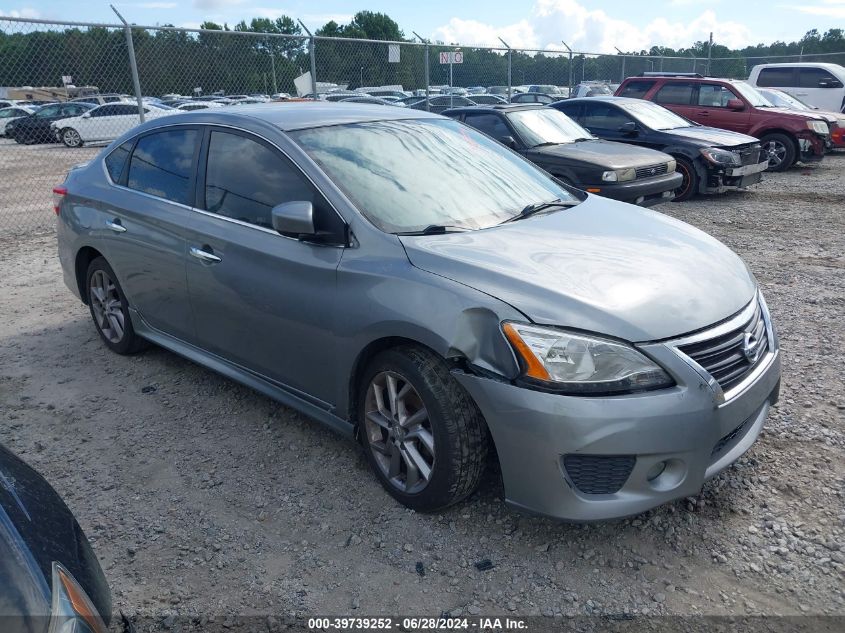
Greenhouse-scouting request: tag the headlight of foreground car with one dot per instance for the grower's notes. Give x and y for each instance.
(73, 611)
(579, 364)
(819, 127)
(671, 165)
(720, 156)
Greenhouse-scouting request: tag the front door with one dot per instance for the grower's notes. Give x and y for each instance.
(261, 300)
(712, 102)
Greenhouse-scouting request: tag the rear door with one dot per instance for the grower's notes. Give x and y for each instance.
(712, 101)
(261, 300)
(141, 224)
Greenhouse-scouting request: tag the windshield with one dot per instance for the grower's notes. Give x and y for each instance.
(407, 175)
(784, 100)
(654, 116)
(542, 126)
(751, 94)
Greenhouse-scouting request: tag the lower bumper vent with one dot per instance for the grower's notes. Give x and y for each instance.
(598, 474)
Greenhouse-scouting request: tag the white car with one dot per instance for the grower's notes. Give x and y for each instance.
(11, 113)
(818, 84)
(104, 123)
(198, 105)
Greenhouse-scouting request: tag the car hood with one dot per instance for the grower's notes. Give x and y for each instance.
(605, 154)
(603, 266)
(712, 136)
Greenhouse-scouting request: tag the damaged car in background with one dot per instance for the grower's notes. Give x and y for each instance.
(414, 284)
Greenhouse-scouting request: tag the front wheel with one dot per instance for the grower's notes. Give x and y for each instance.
(780, 150)
(110, 309)
(689, 184)
(71, 137)
(423, 435)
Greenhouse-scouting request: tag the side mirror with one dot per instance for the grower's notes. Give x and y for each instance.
(508, 141)
(87, 115)
(294, 218)
(629, 128)
(736, 104)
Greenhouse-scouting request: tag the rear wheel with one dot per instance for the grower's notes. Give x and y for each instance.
(689, 184)
(110, 309)
(423, 435)
(780, 149)
(71, 138)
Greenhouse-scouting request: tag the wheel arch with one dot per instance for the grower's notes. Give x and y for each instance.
(84, 257)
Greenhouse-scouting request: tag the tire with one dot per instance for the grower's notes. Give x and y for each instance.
(71, 138)
(110, 311)
(455, 449)
(781, 149)
(690, 183)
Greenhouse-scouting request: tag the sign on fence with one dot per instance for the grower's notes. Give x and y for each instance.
(452, 57)
(393, 53)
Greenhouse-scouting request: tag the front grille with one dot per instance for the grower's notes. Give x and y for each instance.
(650, 171)
(598, 474)
(748, 154)
(728, 357)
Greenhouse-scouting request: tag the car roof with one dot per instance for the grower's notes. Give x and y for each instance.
(289, 116)
(610, 98)
(826, 65)
(500, 107)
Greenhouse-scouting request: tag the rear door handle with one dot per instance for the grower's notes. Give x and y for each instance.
(116, 226)
(204, 255)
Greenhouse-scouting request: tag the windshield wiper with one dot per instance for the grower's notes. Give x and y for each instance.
(437, 229)
(547, 143)
(537, 207)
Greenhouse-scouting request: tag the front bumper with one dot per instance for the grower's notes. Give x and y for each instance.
(721, 178)
(688, 428)
(812, 146)
(644, 192)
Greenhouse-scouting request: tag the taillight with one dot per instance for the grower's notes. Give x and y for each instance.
(58, 194)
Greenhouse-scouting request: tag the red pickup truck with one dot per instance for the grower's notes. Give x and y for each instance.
(786, 135)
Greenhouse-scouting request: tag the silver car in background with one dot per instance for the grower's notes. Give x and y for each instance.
(411, 282)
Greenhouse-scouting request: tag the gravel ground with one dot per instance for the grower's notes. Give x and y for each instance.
(204, 498)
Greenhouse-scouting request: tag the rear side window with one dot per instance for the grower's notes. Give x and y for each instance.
(117, 160)
(810, 78)
(676, 93)
(161, 164)
(492, 125)
(245, 179)
(783, 77)
(636, 89)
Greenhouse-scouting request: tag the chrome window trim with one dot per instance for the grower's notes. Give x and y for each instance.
(734, 323)
(102, 162)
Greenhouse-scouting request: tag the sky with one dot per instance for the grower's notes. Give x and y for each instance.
(585, 25)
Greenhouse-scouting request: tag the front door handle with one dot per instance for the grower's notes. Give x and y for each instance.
(204, 255)
(116, 226)
(702, 113)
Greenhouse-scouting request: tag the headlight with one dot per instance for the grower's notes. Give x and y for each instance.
(580, 364)
(819, 127)
(671, 165)
(73, 611)
(720, 156)
(609, 176)
(626, 174)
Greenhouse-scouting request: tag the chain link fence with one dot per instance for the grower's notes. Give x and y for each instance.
(129, 70)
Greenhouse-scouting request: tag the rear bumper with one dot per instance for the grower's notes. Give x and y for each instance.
(684, 430)
(643, 192)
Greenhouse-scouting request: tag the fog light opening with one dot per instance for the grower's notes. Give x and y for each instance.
(655, 471)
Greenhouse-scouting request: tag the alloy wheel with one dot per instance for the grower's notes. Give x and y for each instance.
(776, 151)
(399, 432)
(71, 138)
(107, 306)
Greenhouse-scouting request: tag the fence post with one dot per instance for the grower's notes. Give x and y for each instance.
(570, 66)
(623, 64)
(510, 66)
(709, 54)
(133, 66)
(313, 55)
(427, 78)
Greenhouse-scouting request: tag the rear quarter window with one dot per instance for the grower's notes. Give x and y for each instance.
(116, 161)
(636, 89)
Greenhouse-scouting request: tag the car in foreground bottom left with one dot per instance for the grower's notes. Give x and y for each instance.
(50, 579)
(409, 281)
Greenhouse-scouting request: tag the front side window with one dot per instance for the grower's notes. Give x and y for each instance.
(675, 93)
(654, 116)
(105, 110)
(491, 124)
(601, 116)
(161, 164)
(409, 174)
(48, 111)
(245, 179)
(714, 96)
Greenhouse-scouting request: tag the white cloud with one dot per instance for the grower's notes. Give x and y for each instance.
(592, 30)
(152, 5)
(827, 8)
(26, 12)
(216, 4)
